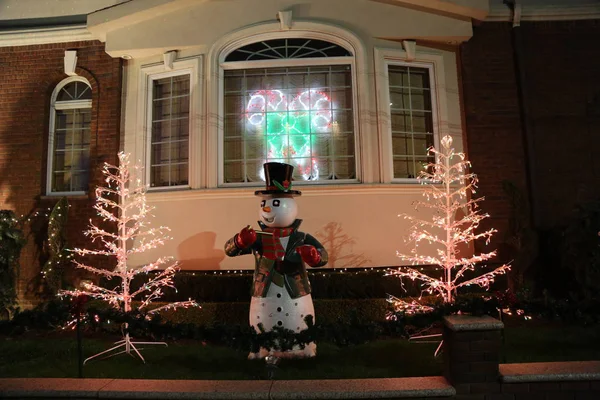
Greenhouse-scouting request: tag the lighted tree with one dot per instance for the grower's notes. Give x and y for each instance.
(123, 203)
(448, 189)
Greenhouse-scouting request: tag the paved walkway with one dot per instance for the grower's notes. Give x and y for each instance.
(422, 387)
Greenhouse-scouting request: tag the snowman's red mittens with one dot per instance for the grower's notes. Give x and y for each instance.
(309, 254)
(245, 238)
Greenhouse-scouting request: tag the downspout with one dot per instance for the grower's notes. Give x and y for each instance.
(525, 111)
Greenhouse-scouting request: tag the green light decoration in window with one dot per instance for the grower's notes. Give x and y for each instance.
(289, 126)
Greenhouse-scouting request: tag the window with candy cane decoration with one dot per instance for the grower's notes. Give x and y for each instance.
(289, 100)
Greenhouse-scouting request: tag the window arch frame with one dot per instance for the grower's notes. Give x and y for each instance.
(64, 105)
(266, 32)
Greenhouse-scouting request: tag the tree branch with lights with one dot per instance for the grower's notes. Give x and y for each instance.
(123, 203)
(448, 186)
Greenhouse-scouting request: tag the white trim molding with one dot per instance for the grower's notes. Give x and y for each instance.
(63, 105)
(70, 62)
(435, 64)
(564, 12)
(267, 31)
(408, 189)
(26, 37)
(149, 73)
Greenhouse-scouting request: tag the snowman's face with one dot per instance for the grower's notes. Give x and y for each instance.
(278, 212)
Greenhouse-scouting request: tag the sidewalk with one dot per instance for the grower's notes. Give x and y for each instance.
(47, 388)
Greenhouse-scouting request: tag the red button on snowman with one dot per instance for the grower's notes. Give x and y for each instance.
(281, 289)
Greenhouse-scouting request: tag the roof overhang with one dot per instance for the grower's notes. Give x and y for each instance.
(462, 9)
(141, 28)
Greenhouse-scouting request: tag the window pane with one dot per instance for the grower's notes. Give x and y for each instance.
(169, 151)
(71, 149)
(287, 48)
(279, 117)
(159, 175)
(411, 119)
(67, 93)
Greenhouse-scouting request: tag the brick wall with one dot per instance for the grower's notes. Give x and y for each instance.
(561, 67)
(28, 75)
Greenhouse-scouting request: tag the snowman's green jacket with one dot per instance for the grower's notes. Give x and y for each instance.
(289, 271)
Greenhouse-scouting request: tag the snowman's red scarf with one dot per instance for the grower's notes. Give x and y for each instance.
(272, 248)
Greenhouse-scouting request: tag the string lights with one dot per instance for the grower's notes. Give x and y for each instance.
(123, 203)
(289, 127)
(127, 197)
(448, 187)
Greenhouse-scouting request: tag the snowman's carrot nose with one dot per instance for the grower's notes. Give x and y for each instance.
(267, 209)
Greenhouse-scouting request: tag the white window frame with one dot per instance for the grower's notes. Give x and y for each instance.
(317, 31)
(435, 64)
(148, 74)
(63, 105)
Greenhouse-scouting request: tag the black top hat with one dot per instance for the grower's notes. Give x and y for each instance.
(278, 177)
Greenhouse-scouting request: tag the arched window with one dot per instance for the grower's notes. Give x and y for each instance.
(289, 100)
(69, 139)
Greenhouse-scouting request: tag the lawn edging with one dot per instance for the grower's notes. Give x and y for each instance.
(389, 388)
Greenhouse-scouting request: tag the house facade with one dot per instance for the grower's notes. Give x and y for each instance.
(352, 93)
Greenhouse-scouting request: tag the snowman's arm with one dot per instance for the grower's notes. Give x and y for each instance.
(232, 250)
(308, 239)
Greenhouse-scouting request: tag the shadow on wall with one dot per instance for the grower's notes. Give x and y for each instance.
(339, 246)
(198, 252)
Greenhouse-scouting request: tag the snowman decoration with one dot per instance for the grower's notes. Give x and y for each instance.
(281, 289)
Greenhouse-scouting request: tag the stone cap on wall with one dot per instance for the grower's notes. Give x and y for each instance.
(550, 371)
(431, 386)
(459, 323)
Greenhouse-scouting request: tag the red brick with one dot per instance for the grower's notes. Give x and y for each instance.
(500, 396)
(487, 367)
(530, 396)
(515, 388)
(486, 388)
(544, 387)
(561, 90)
(573, 386)
(25, 90)
(560, 396)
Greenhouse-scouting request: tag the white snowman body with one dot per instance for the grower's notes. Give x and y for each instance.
(278, 308)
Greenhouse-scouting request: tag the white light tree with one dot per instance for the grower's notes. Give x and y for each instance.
(448, 189)
(123, 203)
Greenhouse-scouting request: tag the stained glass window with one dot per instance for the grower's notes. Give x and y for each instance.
(301, 115)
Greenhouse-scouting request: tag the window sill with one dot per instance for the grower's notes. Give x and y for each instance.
(307, 191)
(69, 195)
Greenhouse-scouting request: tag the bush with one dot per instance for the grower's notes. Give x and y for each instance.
(326, 284)
(12, 241)
(327, 312)
(581, 249)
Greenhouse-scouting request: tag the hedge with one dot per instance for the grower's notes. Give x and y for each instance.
(326, 284)
(327, 312)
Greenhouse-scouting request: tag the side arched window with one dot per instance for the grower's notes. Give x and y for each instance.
(69, 139)
(289, 100)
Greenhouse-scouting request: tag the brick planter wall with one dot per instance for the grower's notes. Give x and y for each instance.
(28, 75)
(471, 356)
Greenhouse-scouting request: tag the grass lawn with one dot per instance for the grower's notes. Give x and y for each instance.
(551, 343)
(55, 356)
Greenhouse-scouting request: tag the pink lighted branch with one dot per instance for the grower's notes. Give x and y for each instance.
(447, 188)
(123, 203)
